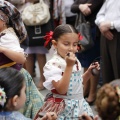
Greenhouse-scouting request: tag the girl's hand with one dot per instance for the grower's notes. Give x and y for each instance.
(70, 59)
(93, 65)
(50, 116)
(84, 8)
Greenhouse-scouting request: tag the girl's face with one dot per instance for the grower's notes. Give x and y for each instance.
(22, 98)
(67, 43)
(2, 25)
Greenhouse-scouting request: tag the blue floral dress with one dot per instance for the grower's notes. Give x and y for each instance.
(12, 116)
(75, 104)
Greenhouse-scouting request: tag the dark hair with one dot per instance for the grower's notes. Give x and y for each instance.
(11, 80)
(61, 30)
(107, 101)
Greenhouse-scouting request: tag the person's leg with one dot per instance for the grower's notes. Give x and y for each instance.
(114, 47)
(93, 89)
(30, 64)
(107, 68)
(90, 88)
(41, 62)
(86, 86)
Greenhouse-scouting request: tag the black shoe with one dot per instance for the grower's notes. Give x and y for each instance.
(86, 95)
(90, 102)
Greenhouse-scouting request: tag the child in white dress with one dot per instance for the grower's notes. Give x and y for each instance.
(63, 76)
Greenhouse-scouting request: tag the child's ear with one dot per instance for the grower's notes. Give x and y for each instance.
(54, 43)
(14, 100)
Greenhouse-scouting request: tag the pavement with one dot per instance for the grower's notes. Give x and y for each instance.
(45, 91)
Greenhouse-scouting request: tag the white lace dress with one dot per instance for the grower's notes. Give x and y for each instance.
(75, 104)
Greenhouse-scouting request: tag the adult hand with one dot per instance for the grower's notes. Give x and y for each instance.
(49, 116)
(108, 34)
(84, 8)
(104, 26)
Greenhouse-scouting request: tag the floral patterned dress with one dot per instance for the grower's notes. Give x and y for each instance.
(75, 104)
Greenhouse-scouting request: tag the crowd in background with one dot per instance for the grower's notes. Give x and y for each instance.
(103, 16)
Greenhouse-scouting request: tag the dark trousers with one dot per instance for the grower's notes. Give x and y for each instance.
(110, 52)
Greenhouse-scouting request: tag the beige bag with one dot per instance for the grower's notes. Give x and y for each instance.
(36, 14)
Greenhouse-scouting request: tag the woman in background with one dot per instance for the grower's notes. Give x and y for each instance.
(89, 8)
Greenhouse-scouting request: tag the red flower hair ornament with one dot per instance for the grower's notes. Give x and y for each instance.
(48, 38)
(80, 36)
(79, 44)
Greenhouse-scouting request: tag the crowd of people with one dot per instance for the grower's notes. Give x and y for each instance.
(71, 92)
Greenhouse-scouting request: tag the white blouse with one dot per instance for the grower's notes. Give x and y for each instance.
(10, 40)
(53, 70)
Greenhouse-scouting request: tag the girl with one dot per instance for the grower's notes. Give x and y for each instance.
(108, 102)
(13, 98)
(63, 76)
(12, 31)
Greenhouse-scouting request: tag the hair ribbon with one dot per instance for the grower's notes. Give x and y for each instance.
(48, 38)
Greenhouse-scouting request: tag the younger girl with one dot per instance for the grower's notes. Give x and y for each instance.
(12, 95)
(63, 76)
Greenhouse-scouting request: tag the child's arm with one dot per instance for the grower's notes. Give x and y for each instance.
(62, 85)
(86, 76)
(17, 57)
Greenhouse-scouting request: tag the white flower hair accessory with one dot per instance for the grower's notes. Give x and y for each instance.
(2, 97)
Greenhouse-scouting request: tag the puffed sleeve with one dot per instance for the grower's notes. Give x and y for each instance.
(51, 72)
(11, 41)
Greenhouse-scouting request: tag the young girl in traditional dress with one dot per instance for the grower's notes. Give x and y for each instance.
(63, 75)
(12, 32)
(13, 96)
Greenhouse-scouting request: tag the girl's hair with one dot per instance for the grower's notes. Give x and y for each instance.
(61, 30)
(11, 81)
(108, 101)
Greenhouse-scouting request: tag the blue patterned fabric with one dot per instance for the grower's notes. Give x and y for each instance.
(75, 107)
(12, 116)
(34, 99)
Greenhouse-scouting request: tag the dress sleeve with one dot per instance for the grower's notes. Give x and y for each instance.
(10, 41)
(51, 72)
